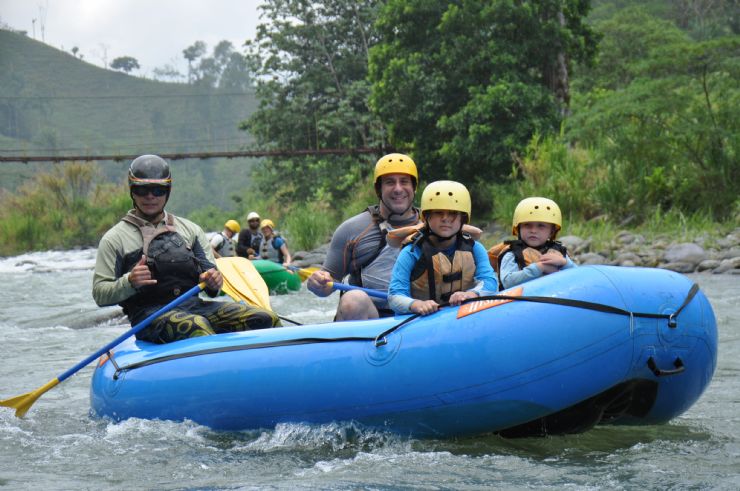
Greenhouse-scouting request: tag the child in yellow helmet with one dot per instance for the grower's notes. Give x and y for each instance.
(441, 263)
(535, 252)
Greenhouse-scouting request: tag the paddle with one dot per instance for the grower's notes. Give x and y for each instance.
(304, 273)
(370, 292)
(23, 403)
(243, 282)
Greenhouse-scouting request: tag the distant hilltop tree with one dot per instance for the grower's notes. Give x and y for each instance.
(125, 63)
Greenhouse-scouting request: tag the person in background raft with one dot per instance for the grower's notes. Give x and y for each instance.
(151, 256)
(274, 248)
(440, 262)
(535, 252)
(250, 239)
(359, 248)
(223, 242)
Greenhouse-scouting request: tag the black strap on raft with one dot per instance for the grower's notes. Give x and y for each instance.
(381, 339)
(597, 306)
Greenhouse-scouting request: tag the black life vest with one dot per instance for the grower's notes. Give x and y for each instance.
(170, 259)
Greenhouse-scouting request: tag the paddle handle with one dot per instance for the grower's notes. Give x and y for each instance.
(138, 327)
(373, 293)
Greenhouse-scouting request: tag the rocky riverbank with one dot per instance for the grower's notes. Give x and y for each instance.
(717, 256)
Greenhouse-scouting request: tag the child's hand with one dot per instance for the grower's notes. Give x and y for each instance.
(553, 258)
(551, 262)
(459, 297)
(424, 307)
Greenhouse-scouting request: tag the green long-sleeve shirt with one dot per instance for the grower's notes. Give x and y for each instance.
(110, 283)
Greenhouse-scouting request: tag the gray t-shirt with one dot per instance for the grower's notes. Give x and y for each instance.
(356, 242)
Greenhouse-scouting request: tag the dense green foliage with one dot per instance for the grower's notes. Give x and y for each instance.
(515, 99)
(467, 83)
(665, 123)
(311, 59)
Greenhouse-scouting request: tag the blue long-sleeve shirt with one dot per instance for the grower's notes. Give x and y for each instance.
(511, 275)
(399, 290)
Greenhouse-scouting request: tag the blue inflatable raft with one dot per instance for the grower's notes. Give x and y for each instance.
(589, 345)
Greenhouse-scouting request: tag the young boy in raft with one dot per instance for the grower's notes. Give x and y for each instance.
(440, 262)
(535, 252)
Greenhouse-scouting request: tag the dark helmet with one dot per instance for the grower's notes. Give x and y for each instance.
(149, 170)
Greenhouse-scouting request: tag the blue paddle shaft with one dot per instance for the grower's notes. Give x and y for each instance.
(372, 293)
(138, 327)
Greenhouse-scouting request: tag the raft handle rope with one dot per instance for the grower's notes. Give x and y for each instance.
(678, 363)
(382, 338)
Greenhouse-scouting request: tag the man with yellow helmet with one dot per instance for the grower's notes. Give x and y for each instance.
(441, 263)
(359, 247)
(535, 252)
(223, 242)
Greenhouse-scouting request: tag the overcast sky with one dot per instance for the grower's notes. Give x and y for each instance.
(155, 32)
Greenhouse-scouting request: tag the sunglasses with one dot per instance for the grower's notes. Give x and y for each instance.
(142, 191)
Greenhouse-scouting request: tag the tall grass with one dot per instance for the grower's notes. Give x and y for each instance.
(307, 227)
(68, 207)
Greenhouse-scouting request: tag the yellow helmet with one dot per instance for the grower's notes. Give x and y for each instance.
(395, 163)
(537, 210)
(233, 225)
(267, 223)
(446, 195)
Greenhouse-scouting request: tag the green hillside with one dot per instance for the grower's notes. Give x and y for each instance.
(52, 103)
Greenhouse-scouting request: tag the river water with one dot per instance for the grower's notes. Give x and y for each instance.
(49, 322)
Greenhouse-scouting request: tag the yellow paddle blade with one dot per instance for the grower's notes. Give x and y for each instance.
(304, 273)
(23, 403)
(242, 281)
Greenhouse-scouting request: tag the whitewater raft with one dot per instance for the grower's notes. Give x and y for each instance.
(586, 346)
(278, 279)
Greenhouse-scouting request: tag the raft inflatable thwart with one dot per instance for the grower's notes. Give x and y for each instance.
(589, 345)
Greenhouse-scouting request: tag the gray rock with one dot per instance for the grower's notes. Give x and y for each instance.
(628, 259)
(626, 238)
(575, 244)
(708, 264)
(686, 252)
(591, 258)
(729, 253)
(727, 265)
(679, 267)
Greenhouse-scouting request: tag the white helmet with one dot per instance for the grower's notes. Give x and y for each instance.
(252, 215)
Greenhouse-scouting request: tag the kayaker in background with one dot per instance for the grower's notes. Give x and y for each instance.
(250, 239)
(274, 248)
(359, 248)
(534, 252)
(151, 256)
(223, 242)
(440, 262)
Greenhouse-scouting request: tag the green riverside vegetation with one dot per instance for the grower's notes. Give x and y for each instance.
(623, 111)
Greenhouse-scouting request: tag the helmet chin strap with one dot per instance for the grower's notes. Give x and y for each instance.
(429, 231)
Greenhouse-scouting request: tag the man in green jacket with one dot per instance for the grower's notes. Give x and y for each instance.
(151, 256)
